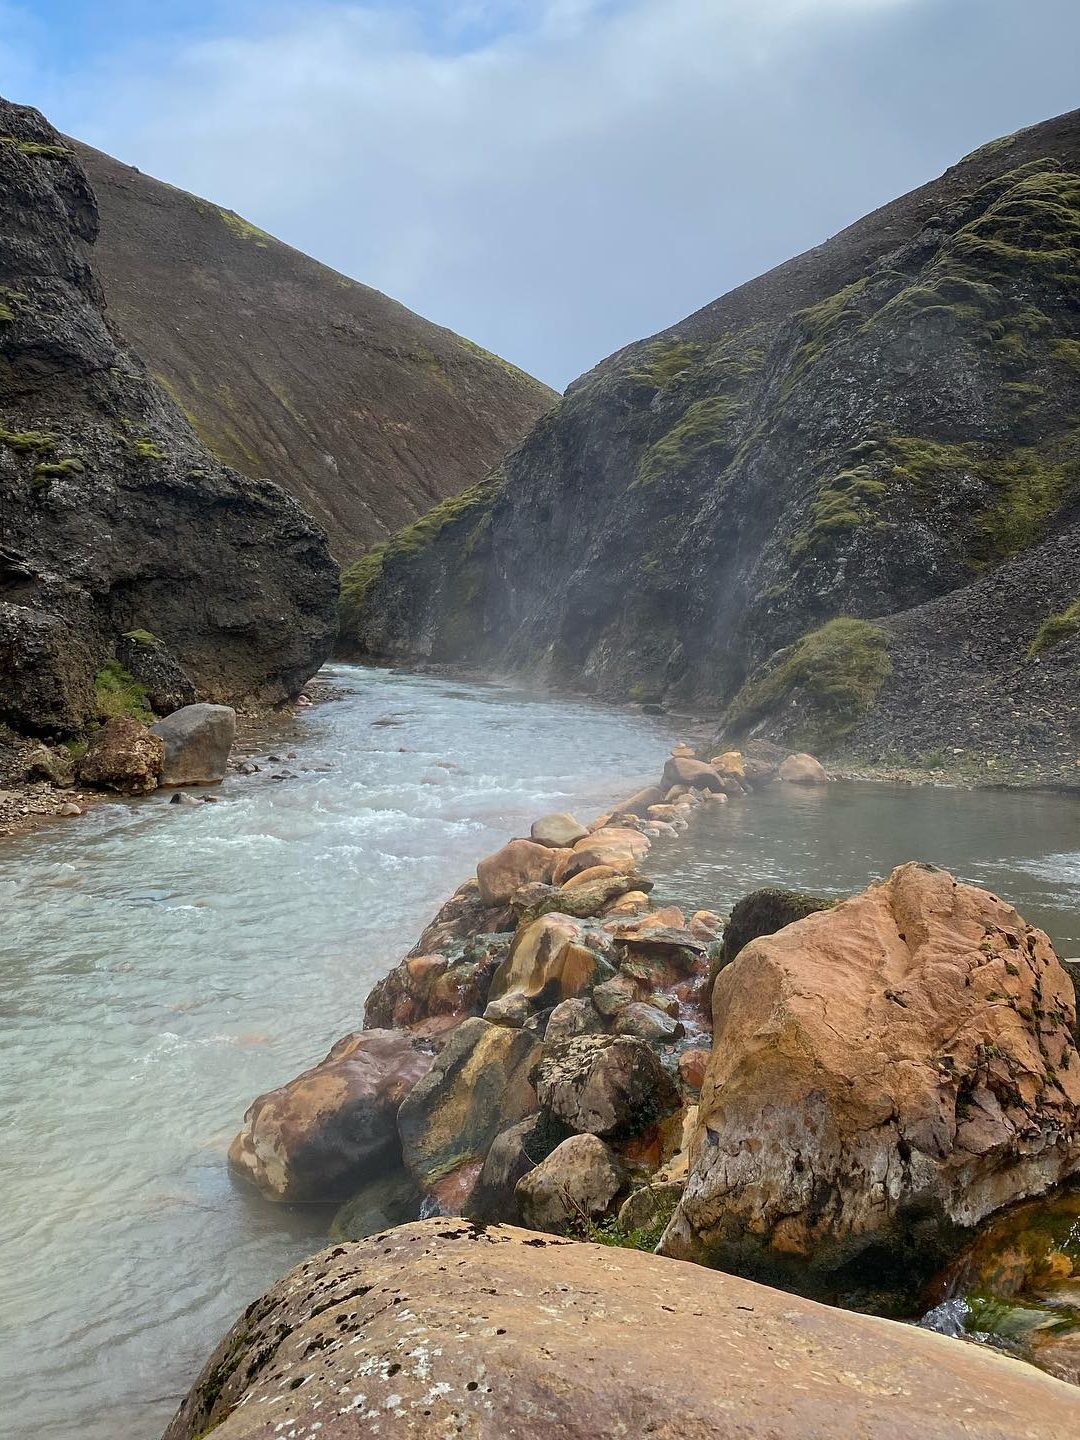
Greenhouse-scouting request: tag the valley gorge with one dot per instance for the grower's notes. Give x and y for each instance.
(518, 774)
(837, 507)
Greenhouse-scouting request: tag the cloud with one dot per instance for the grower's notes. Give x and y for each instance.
(557, 177)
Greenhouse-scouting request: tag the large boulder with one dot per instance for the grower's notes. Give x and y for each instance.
(430, 994)
(479, 1085)
(198, 739)
(512, 1155)
(577, 1183)
(500, 1332)
(123, 756)
(801, 769)
(321, 1135)
(681, 770)
(516, 864)
(883, 1073)
(611, 1086)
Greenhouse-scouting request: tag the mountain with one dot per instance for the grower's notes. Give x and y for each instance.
(840, 505)
(125, 546)
(365, 412)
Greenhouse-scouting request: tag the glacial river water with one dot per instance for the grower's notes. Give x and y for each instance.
(160, 965)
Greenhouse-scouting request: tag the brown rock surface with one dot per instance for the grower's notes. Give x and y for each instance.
(441, 1328)
(882, 1072)
(478, 1086)
(802, 769)
(579, 1180)
(123, 756)
(318, 1137)
(547, 962)
(516, 864)
(615, 846)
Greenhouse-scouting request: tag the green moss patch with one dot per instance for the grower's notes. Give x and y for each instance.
(662, 362)
(835, 673)
(25, 442)
(141, 637)
(705, 426)
(33, 147)
(244, 229)
(1055, 629)
(56, 469)
(117, 692)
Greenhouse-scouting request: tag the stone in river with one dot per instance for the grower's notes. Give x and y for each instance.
(800, 769)
(321, 1135)
(198, 739)
(559, 831)
(478, 1086)
(516, 864)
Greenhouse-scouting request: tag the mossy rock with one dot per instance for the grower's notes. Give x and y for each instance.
(1055, 629)
(833, 674)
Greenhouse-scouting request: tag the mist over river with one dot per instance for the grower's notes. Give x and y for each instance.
(161, 965)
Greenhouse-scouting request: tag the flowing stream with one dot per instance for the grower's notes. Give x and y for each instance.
(163, 964)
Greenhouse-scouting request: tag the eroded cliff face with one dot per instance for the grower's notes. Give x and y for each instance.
(754, 509)
(114, 519)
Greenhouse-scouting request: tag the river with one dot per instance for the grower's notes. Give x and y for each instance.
(163, 964)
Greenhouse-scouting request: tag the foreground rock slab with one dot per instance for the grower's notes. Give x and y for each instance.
(441, 1328)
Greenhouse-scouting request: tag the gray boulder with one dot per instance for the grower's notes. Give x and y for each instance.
(198, 739)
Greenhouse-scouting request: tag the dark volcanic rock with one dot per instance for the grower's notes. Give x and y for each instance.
(853, 480)
(365, 412)
(114, 518)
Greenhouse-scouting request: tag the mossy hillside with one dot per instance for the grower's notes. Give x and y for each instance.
(663, 362)
(834, 673)
(11, 304)
(34, 148)
(716, 382)
(1018, 232)
(1025, 486)
(1055, 629)
(474, 504)
(117, 692)
(243, 229)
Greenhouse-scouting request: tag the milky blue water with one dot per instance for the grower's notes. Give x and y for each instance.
(161, 965)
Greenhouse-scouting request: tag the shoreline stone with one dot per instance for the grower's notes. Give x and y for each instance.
(445, 1328)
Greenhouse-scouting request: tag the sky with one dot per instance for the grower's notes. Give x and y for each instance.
(552, 178)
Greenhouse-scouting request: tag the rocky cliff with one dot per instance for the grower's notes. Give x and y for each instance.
(838, 505)
(119, 532)
(365, 412)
